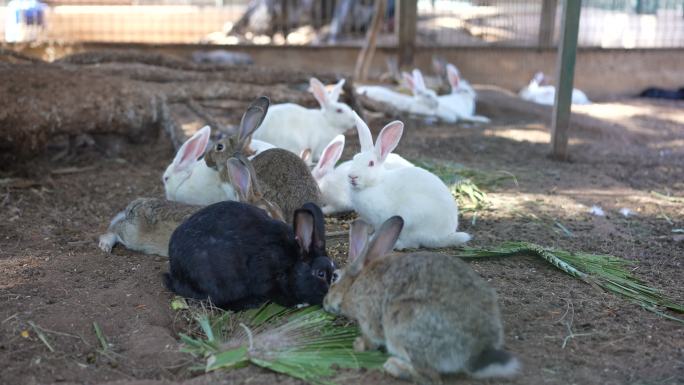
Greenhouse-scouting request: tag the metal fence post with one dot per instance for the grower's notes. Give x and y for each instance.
(406, 30)
(547, 23)
(567, 52)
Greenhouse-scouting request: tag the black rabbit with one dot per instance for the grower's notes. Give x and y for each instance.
(238, 257)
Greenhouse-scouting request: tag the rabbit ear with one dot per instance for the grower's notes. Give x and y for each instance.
(452, 74)
(319, 92)
(329, 157)
(334, 94)
(409, 81)
(318, 237)
(438, 65)
(304, 227)
(388, 139)
(418, 79)
(305, 155)
(251, 120)
(358, 242)
(538, 78)
(192, 149)
(384, 239)
(365, 137)
(240, 179)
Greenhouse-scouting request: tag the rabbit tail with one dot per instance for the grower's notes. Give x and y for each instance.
(493, 363)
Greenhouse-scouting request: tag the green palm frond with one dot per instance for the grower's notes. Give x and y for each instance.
(608, 272)
(305, 343)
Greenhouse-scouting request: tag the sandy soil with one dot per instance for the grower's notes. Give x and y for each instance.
(53, 276)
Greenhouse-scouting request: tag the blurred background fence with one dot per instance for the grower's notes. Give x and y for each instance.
(440, 23)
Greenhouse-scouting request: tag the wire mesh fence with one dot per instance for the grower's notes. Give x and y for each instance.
(603, 23)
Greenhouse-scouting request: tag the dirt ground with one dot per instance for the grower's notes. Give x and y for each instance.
(53, 277)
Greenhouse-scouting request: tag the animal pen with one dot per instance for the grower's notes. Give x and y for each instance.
(555, 129)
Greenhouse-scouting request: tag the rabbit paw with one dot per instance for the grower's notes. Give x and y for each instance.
(107, 241)
(398, 368)
(361, 344)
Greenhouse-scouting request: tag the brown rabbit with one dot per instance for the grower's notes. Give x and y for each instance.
(284, 177)
(146, 224)
(432, 312)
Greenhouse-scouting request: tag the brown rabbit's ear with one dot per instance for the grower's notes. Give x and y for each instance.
(384, 239)
(304, 228)
(251, 120)
(240, 179)
(358, 243)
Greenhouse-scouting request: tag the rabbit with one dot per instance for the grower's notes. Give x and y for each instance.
(460, 103)
(432, 312)
(284, 177)
(423, 102)
(236, 256)
(147, 223)
(332, 181)
(189, 180)
(296, 128)
(420, 197)
(540, 92)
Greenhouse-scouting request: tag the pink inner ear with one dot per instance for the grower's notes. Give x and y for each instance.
(453, 78)
(358, 239)
(330, 155)
(319, 91)
(193, 149)
(389, 139)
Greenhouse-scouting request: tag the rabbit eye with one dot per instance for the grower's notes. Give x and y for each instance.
(321, 274)
(166, 179)
(339, 110)
(371, 164)
(220, 147)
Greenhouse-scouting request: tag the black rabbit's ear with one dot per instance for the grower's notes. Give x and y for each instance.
(252, 119)
(384, 239)
(304, 229)
(318, 238)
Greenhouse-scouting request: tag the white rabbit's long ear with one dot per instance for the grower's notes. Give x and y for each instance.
(418, 79)
(334, 94)
(365, 137)
(318, 91)
(384, 239)
(192, 149)
(454, 77)
(388, 139)
(329, 157)
(538, 78)
(409, 81)
(358, 244)
(240, 179)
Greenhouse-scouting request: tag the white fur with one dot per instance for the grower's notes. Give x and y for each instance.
(296, 128)
(460, 103)
(537, 92)
(508, 369)
(191, 181)
(425, 203)
(334, 183)
(424, 101)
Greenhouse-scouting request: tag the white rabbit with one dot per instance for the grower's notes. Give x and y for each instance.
(420, 197)
(333, 181)
(296, 128)
(537, 91)
(423, 102)
(460, 103)
(189, 180)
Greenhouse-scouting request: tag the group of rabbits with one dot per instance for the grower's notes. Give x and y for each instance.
(243, 224)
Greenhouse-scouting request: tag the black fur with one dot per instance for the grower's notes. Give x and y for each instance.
(238, 257)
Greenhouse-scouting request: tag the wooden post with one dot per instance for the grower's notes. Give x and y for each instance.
(567, 52)
(365, 58)
(547, 23)
(407, 21)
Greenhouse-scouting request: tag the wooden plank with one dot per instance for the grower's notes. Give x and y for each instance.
(547, 23)
(406, 29)
(365, 58)
(567, 52)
